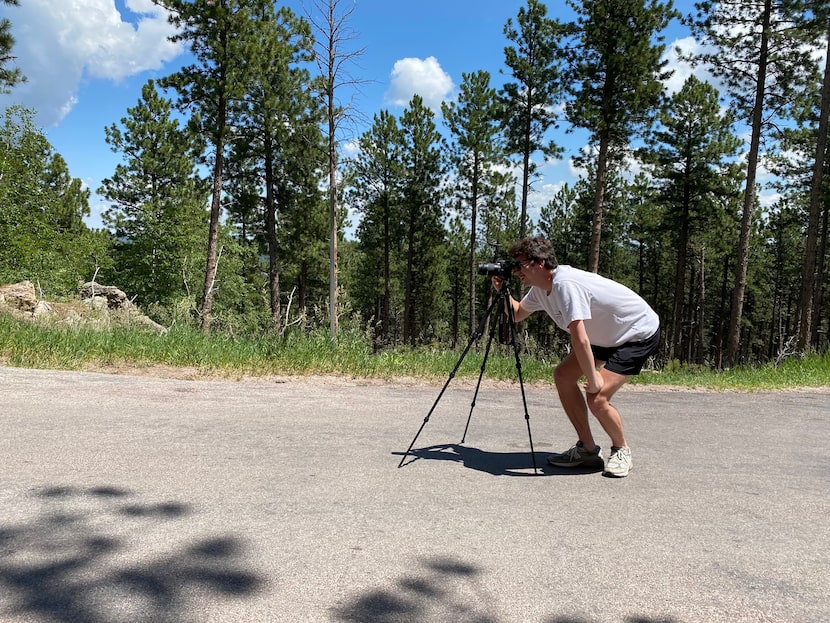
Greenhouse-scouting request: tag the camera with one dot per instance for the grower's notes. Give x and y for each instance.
(501, 268)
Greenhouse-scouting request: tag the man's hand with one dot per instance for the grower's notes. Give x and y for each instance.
(519, 312)
(594, 386)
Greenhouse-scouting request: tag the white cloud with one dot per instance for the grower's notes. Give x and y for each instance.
(61, 43)
(351, 148)
(682, 69)
(575, 171)
(424, 77)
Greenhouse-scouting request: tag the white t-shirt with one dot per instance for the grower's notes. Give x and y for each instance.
(613, 314)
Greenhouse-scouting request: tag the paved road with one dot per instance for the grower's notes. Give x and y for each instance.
(129, 499)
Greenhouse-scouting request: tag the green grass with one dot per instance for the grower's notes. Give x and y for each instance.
(23, 344)
(796, 372)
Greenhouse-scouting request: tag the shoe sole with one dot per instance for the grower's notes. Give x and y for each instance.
(613, 475)
(586, 463)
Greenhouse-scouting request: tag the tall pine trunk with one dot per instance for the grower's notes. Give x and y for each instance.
(385, 315)
(333, 223)
(742, 262)
(409, 303)
(810, 276)
(599, 200)
(212, 263)
(473, 226)
(271, 236)
(525, 185)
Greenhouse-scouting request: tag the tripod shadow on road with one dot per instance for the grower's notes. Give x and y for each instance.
(495, 463)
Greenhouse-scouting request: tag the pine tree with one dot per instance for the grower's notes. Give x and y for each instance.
(207, 89)
(765, 65)
(528, 112)
(616, 70)
(72, 197)
(563, 224)
(376, 177)
(8, 77)
(279, 119)
(423, 228)
(689, 153)
(815, 18)
(477, 152)
(457, 246)
(158, 202)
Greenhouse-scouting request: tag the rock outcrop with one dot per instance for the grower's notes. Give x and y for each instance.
(20, 297)
(99, 306)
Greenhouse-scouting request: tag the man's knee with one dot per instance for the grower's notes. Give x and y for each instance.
(597, 403)
(566, 374)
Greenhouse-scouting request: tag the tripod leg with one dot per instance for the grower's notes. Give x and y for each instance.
(483, 365)
(475, 336)
(515, 342)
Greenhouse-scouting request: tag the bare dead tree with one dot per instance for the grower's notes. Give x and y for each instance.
(333, 54)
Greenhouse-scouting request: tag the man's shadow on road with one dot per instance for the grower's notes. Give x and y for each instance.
(495, 463)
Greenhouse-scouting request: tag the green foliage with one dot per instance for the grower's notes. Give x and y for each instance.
(615, 66)
(42, 235)
(478, 158)
(430, 211)
(689, 156)
(425, 274)
(157, 216)
(527, 115)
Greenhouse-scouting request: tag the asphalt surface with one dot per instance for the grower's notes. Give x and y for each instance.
(131, 499)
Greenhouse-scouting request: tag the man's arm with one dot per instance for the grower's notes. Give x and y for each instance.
(519, 312)
(581, 346)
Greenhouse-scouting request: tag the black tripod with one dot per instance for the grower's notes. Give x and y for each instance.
(503, 298)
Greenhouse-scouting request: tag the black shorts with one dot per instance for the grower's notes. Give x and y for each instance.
(629, 358)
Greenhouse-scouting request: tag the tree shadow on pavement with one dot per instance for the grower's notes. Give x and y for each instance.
(418, 597)
(496, 463)
(633, 619)
(100, 555)
(441, 589)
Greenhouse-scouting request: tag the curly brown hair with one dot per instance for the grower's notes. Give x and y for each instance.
(534, 248)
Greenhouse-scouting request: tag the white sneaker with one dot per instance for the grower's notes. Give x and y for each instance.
(619, 463)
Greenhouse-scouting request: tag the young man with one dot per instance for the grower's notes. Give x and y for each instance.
(613, 331)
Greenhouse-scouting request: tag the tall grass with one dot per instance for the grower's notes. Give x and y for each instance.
(23, 344)
(795, 372)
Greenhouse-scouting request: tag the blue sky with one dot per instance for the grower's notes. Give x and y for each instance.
(86, 61)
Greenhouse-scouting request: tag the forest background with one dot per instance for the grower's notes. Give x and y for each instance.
(229, 208)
